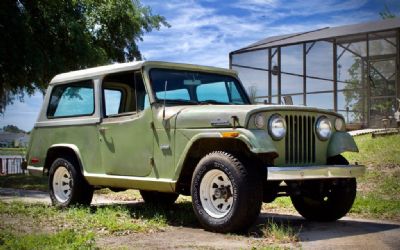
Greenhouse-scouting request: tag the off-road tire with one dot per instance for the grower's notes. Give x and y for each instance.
(326, 200)
(159, 198)
(246, 192)
(81, 193)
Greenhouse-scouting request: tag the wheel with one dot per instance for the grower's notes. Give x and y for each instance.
(158, 198)
(226, 194)
(325, 200)
(67, 186)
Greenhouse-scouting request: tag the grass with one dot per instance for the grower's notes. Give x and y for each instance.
(378, 193)
(13, 151)
(24, 182)
(279, 232)
(65, 239)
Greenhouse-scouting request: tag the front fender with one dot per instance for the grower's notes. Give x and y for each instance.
(257, 141)
(341, 142)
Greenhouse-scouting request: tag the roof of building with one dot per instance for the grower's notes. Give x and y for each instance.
(323, 33)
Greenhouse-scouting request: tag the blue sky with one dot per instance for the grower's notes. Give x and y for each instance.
(204, 32)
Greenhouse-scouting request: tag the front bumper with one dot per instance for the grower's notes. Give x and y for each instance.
(315, 172)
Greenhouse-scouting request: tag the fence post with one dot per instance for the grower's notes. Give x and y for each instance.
(1, 166)
(7, 166)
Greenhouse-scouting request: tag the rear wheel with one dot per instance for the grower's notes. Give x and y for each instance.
(158, 198)
(66, 185)
(226, 194)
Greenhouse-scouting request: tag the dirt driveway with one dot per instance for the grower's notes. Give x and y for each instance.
(347, 233)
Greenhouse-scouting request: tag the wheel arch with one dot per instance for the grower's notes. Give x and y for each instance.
(205, 145)
(62, 150)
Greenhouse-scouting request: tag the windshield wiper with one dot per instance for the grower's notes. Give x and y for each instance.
(179, 101)
(213, 102)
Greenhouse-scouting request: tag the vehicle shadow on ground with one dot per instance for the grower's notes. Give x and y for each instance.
(312, 231)
(181, 215)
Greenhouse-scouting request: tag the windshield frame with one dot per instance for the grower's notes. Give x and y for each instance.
(239, 87)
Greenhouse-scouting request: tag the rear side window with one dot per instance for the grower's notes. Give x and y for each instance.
(75, 99)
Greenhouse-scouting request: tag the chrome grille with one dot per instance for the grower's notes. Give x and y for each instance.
(300, 139)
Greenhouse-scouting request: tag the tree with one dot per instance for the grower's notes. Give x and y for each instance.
(12, 129)
(41, 38)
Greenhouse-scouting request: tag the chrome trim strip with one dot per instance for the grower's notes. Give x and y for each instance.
(37, 171)
(315, 172)
(68, 122)
(146, 183)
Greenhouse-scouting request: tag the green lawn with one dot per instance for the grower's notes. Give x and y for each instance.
(13, 151)
(379, 190)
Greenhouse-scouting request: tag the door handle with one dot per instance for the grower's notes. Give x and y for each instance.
(102, 129)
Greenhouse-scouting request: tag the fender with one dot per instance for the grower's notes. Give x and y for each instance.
(341, 142)
(257, 141)
(74, 148)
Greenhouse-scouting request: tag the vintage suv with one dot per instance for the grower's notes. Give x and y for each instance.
(168, 129)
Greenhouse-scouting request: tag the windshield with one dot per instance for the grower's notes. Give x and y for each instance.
(190, 87)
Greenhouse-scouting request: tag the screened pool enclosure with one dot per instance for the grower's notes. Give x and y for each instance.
(349, 69)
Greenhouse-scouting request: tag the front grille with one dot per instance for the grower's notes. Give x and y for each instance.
(300, 139)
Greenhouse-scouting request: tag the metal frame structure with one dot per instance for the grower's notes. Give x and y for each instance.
(341, 40)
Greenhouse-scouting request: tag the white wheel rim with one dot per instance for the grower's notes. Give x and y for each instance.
(62, 182)
(216, 193)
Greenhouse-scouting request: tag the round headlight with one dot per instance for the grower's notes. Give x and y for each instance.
(277, 127)
(339, 124)
(259, 121)
(323, 128)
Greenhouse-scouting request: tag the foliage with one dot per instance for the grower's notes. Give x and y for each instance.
(12, 129)
(386, 13)
(45, 37)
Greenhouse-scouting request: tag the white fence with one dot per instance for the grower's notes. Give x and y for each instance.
(11, 164)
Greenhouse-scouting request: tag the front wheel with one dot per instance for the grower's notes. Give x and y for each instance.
(67, 186)
(325, 200)
(226, 194)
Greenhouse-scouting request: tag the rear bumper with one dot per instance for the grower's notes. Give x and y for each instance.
(37, 171)
(315, 172)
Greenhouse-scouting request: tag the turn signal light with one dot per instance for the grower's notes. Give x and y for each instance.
(230, 134)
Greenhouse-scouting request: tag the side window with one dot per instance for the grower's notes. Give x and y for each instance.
(123, 93)
(113, 100)
(213, 91)
(75, 99)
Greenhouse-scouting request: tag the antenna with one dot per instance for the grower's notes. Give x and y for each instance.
(165, 97)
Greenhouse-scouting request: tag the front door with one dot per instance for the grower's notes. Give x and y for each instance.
(382, 89)
(125, 132)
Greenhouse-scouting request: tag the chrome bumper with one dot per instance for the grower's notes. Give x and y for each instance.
(315, 172)
(37, 171)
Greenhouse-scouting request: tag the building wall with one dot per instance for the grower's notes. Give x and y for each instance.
(356, 75)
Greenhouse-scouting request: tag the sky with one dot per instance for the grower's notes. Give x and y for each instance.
(204, 32)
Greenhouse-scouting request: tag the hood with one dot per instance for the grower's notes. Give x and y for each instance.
(221, 116)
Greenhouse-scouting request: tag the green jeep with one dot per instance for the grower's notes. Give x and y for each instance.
(168, 129)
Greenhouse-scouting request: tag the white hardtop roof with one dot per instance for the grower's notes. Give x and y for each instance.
(118, 67)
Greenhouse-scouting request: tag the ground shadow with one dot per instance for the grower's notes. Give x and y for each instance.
(312, 231)
(181, 214)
